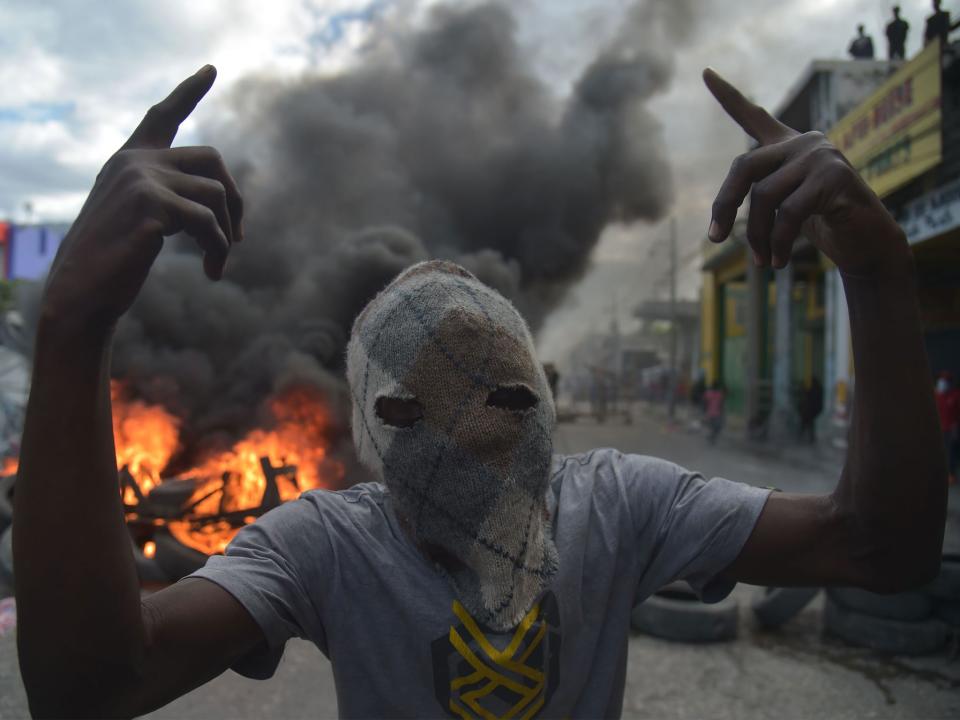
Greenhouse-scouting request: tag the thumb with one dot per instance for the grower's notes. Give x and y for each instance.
(159, 126)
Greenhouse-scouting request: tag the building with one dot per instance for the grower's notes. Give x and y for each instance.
(28, 249)
(767, 334)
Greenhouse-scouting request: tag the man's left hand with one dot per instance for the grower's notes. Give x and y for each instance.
(799, 182)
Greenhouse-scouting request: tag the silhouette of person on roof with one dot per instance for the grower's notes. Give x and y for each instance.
(861, 48)
(897, 36)
(938, 25)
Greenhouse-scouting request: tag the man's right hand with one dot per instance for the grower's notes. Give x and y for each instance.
(145, 192)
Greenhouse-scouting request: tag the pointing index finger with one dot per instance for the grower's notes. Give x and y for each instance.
(757, 122)
(159, 126)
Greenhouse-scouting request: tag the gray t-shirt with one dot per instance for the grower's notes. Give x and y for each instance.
(336, 568)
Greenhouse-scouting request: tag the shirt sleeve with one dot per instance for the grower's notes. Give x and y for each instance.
(267, 569)
(687, 527)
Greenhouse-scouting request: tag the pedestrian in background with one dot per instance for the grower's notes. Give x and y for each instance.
(713, 400)
(948, 406)
(810, 407)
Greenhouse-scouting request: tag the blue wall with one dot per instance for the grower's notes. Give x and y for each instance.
(32, 249)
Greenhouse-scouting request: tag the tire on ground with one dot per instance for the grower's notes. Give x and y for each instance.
(773, 606)
(174, 559)
(949, 612)
(676, 613)
(6, 556)
(947, 584)
(898, 637)
(900, 606)
(6, 501)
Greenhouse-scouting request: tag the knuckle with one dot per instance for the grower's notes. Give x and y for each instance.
(790, 214)
(740, 164)
(760, 195)
(218, 192)
(156, 112)
(212, 153)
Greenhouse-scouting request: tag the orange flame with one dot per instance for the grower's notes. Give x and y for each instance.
(229, 486)
(234, 481)
(145, 438)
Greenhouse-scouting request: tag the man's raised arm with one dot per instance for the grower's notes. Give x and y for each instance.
(87, 646)
(882, 528)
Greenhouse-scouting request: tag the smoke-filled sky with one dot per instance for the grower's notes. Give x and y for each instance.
(75, 80)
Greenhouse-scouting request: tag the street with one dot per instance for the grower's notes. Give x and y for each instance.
(791, 673)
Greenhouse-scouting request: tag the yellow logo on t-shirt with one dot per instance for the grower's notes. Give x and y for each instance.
(485, 679)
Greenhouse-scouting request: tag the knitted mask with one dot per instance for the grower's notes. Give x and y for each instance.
(453, 413)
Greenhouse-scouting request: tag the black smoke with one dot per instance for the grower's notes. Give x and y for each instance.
(442, 143)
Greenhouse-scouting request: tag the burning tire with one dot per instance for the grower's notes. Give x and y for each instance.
(676, 613)
(175, 559)
(901, 606)
(898, 637)
(949, 612)
(947, 584)
(6, 501)
(773, 606)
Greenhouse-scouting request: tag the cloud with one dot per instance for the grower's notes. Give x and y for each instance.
(77, 78)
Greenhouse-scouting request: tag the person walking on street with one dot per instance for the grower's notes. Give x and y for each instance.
(713, 400)
(811, 405)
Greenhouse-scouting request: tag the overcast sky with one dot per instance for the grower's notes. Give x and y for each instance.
(76, 76)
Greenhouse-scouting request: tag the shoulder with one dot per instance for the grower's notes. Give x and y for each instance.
(359, 505)
(319, 511)
(605, 465)
(606, 475)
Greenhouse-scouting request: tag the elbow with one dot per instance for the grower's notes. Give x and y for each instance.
(898, 562)
(59, 692)
(901, 575)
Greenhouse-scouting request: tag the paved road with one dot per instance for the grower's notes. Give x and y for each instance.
(794, 673)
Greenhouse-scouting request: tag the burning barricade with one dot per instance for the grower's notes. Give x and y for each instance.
(177, 520)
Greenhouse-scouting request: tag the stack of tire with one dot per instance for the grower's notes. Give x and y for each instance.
(676, 613)
(6, 535)
(918, 622)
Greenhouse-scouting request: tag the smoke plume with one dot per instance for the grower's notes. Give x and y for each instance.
(440, 143)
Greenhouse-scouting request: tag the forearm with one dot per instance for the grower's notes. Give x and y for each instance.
(893, 488)
(77, 590)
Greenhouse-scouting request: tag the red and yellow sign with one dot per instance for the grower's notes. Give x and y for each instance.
(895, 134)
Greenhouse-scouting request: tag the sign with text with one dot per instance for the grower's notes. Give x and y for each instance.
(895, 134)
(932, 214)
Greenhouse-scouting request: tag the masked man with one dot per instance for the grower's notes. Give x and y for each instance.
(482, 576)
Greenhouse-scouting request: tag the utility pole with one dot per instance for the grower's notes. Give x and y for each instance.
(673, 318)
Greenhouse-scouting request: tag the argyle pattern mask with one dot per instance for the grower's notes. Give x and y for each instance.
(469, 476)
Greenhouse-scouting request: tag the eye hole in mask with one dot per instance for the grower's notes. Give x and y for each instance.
(515, 398)
(399, 412)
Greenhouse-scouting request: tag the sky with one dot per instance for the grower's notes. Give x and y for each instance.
(76, 77)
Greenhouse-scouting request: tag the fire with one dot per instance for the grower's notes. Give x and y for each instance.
(145, 438)
(224, 491)
(234, 482)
